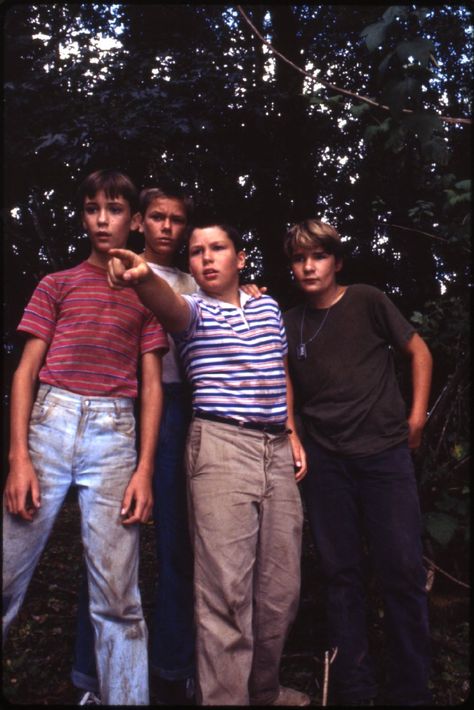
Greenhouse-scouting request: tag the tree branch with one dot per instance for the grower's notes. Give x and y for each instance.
(426, 234)
(346, 92)
(453, 579)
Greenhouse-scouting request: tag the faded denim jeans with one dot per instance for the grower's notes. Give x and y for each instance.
(88, 442)
(172, 633)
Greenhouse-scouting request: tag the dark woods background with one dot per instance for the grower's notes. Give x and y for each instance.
(189, 93)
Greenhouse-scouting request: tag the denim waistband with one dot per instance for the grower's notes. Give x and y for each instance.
(83, 401)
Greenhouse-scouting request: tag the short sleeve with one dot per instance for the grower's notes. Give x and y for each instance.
(40, 315)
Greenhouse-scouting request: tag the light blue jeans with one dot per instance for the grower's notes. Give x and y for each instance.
(88, 442)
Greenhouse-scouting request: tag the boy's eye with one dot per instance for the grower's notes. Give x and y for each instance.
(298, 259)
(159, 217)
(116, 209)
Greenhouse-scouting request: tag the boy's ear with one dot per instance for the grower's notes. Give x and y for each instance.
(136, 223)
(338, 264)
(241, 257)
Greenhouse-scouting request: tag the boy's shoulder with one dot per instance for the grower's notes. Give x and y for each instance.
(365, 290)
(73, 271)
(263, 301)
(293, 313)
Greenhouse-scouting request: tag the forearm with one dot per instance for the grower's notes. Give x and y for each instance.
(290, 420)
(169, 307)
(21, 404)
(22, 493)
(126, 268)
(22, 398)
(299, 455)
(421, 372)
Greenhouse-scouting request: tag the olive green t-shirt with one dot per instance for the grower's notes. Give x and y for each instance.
(346, 389)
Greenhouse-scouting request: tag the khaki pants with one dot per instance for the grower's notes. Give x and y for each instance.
(246, 526)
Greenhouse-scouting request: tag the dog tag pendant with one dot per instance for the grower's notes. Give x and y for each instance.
(301, 351)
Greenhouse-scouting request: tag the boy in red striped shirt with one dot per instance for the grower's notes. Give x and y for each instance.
(84, 344)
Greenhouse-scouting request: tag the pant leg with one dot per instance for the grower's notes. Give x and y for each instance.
(105, 459)
(331, 497)
(226, 486)
(172, 636)
(277, 569)
(51, 450)
(84, 671)
(393, 520)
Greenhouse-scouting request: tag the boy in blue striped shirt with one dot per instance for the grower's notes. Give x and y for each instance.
(243, 461)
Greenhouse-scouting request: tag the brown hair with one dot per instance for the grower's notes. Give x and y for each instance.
(148, 194)
(113, 182)
(310, 233)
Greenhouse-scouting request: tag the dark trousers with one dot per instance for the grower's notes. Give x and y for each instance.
(372, 499)
(172, 637)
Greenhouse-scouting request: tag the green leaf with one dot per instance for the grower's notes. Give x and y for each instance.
(374, 35)
(385, 62)
(423, 124)
(359, 109)
(441, 526)
(398, 93)
(336, 99)
(417, 317)
(396, 140)
(51, 139)
(463, 185)
(419, 49)
(435, 151)
(391, 13)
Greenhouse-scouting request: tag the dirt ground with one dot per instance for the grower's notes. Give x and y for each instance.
(37, 656)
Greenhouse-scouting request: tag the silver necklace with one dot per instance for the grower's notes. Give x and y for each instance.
(301, 353)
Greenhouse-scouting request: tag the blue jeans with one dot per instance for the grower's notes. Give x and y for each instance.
(172, 637)
(88, 442)
(372, 498)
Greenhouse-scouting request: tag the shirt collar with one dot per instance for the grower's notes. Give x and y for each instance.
(244, 297)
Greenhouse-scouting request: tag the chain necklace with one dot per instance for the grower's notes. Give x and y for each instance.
(301, 353)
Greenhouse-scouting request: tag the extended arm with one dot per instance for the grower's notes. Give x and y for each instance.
(421, 369)
(138, 498)
(129, 269)
(22, 492)
(299, 454)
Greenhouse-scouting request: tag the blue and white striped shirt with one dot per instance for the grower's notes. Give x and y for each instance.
(233, 357)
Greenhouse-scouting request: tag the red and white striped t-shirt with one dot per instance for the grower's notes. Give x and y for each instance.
(95, 334)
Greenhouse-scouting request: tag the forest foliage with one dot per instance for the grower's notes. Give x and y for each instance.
(190, 93)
